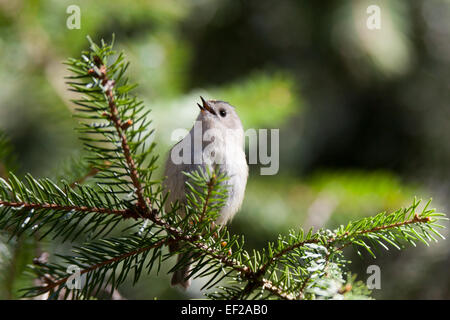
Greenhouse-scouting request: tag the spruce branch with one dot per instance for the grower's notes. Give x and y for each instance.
(405, 225)
(32, 206)
(324, 246)
(109, 90)
(114, 129)
(60, 210)
(113, 123)
(94, 260)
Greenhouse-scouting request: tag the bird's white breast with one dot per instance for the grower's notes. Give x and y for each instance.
(233, 161)
(225, 150)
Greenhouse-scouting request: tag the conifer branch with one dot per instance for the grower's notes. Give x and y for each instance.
(39, 204)
(397, 222)
(53, 284)
(268, 285)
(126, 213)
(108, 87)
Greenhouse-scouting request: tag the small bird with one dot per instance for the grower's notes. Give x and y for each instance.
(223, 144)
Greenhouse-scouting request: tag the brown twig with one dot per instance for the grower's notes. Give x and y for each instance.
(330, 242)
(125, 213)
(267, 285)
(255, 278)
(120, 128)
(416, 219)
(54, 284)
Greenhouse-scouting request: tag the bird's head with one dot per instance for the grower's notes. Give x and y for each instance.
(219, 114)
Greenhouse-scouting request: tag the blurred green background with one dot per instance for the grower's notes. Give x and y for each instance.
(363, 114)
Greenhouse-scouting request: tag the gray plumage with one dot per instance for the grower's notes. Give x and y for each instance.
(226, 148)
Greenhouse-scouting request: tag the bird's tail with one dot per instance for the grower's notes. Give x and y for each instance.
(180, 275)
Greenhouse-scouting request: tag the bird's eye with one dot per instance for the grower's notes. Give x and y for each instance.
(222, 113)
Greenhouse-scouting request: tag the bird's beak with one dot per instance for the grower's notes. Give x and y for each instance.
(206, 106)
